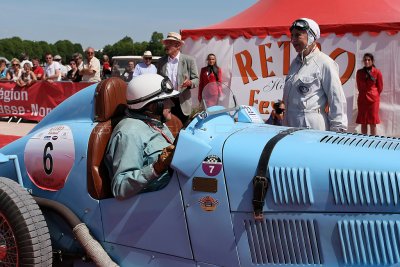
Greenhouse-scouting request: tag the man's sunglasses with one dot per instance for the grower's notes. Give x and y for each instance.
(302, 25)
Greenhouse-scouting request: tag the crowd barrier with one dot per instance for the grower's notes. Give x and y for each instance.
(35, 101)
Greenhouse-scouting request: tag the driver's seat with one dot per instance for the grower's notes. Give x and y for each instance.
(110, 103)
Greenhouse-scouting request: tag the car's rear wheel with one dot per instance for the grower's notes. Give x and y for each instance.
(24, 236)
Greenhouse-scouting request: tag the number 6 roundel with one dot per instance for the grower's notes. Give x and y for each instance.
(49, 156)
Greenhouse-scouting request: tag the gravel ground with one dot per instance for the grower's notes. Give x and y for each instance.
(13, 128)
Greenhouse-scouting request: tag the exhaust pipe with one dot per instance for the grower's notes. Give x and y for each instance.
(91, 246)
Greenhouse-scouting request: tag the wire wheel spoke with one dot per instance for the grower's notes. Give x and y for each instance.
(8, 243)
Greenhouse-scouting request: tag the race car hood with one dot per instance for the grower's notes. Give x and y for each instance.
(312, 170)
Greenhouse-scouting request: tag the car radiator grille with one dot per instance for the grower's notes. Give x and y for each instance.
(283, 241)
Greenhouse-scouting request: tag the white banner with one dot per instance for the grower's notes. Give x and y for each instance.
(255, 70)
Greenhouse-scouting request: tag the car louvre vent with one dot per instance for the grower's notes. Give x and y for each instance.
(370, 242)
(355, 187)
(359, 140)
(283, 241)
(291, 185)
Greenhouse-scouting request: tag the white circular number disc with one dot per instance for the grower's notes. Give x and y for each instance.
(49, 156)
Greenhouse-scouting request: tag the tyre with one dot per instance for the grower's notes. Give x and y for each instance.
(24, 236)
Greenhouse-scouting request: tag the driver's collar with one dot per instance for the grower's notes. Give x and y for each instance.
(139, 115)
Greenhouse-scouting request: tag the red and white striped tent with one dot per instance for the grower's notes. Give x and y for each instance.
(253, 48)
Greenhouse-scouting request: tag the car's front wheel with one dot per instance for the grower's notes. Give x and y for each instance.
(24, 236)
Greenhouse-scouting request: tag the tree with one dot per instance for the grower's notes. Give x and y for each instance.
(155, 44)
(15, 46)
(123, 47)
(65, 49)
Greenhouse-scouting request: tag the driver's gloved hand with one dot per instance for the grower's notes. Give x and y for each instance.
(164, 159)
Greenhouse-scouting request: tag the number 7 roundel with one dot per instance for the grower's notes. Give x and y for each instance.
(212, 165)
(49, 157)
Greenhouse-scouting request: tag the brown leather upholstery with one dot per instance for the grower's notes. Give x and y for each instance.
(110, 95)
(110, 103)
(174, 125)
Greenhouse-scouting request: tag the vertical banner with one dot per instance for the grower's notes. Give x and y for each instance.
(37, 100)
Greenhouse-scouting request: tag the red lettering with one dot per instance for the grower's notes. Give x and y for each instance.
(263, 107)
(264, 61)
(245, 68)
(252, 99)
(351, 62)
(286, 56)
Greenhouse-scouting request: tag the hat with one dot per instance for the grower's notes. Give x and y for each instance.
(57, 57)
(147, 54)
(174, 36)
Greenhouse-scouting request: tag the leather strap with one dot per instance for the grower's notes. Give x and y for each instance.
(261, 180)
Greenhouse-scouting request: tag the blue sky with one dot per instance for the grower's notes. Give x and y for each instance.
(98, 22)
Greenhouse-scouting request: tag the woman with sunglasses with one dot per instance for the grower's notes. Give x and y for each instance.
(370, 85)
(15, 72)
(313, 83)
(73, 74)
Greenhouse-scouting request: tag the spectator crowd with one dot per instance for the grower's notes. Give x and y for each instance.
(24, 70)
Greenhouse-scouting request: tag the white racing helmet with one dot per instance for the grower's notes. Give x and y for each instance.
(148, 88)
(308, 25)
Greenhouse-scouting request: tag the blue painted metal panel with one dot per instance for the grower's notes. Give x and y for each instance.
(211, 232)
(310, 173)
(153, 221)
(130, 257)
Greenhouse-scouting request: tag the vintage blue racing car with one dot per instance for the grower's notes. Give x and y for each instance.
(242, 193)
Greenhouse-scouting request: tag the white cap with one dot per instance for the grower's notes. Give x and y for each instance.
(147, 54)
(57, 57)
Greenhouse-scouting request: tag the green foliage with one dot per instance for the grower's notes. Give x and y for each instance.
(15, 47)
(155, 44)
(127, 47)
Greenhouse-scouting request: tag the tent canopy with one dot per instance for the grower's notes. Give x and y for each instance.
(274, 17)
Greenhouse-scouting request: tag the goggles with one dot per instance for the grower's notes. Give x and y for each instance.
(166, 87)
(302, 25)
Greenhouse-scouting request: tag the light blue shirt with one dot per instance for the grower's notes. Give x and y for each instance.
(133, 148)
(3, 74)
(142, 68)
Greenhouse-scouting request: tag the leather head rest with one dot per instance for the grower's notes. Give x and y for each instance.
(110, 98)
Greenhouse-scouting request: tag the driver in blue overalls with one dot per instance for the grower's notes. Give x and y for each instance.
(140, 149)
